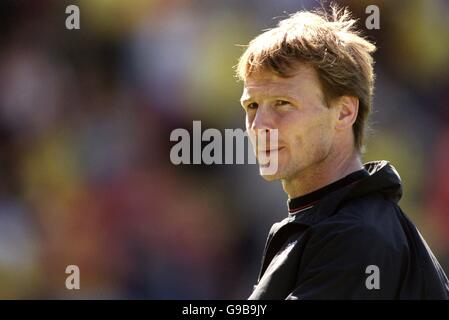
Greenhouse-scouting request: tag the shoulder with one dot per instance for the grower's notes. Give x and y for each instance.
(364, 225)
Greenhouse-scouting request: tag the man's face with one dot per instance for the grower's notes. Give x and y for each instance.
(296, 107)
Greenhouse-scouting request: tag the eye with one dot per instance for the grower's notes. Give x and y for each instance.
(252, 106)
(279, 103)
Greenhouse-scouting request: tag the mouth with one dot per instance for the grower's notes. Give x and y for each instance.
(272, 150)
(265, 154)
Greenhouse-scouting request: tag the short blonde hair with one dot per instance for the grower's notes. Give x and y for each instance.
(329, 43)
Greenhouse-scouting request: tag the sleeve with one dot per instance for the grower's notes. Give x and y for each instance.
(348, 261)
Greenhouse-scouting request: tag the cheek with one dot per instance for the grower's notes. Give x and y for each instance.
(320, 134)
(249, 118)
(324, 125)
(291, 129)
(250, 132)
(306, 131)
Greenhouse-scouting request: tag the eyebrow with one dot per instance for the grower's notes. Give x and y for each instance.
(280, 96)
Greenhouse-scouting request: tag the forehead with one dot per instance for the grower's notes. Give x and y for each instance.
(267, 83)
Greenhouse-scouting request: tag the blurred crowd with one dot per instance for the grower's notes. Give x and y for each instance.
(85, 121)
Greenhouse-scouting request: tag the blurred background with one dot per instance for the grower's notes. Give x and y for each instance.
(85, 121)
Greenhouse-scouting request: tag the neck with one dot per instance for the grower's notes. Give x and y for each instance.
(319, 175)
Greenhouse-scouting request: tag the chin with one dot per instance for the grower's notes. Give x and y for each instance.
(273, 169)
(269, 176)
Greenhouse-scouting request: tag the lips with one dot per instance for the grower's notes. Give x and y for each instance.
(268, 153)
(267, 157)
(277, 149)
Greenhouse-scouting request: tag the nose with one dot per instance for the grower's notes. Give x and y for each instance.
(263, 128)
(263, 120)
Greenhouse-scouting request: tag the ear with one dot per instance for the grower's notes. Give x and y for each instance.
(347, 108)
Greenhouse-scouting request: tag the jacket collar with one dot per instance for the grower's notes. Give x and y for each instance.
(304, 202)
(383, 178)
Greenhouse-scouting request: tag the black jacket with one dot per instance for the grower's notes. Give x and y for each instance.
(355, 243)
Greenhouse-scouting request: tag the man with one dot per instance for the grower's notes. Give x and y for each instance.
(311, 79)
